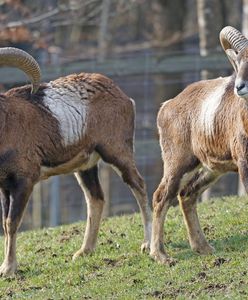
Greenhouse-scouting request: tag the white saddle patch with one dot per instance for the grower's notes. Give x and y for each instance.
(69, 109)
(210, 107)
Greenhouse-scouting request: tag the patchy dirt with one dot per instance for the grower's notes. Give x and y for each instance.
(156, 294)
(212, 287)
(43, 249)
(113, 244)
(171, 262)
(207, 229)
(220, 261)
(202, 275)
(137, 281)
(67, 235)
(173, 293)
(95, 267)
(169, 293)
(110, 262)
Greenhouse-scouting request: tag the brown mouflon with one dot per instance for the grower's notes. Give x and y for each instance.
(203, 134)
(64, 126)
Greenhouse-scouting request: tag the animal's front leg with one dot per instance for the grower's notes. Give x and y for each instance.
(162, 197)
(19, 194)
(243, 173)
(90, 184)
(188, 202)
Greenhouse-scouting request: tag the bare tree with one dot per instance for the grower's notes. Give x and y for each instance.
(210, 24)
(103, 30)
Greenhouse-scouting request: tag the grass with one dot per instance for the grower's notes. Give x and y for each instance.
(118, 271)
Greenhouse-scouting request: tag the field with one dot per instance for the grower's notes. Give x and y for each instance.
(117, 270)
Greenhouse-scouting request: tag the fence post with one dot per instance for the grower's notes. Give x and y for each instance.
(55, 202)
(105, 183)
(37, 206)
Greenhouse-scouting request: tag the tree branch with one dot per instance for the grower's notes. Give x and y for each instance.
(33, 20)
(47, 15)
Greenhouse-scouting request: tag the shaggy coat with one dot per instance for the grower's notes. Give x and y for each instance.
(66, 126)
(203, 134)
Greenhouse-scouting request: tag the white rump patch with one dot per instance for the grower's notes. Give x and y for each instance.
(210, 107)
(69, 109)
(134, 104)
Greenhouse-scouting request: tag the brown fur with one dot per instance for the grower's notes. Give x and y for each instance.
(197, 148)
(32, 149)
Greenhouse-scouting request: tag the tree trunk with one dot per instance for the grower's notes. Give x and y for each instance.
(103, 31)
(210, 24)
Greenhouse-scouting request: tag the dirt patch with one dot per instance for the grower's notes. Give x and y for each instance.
(169, 293)
(220, 261)
(208, 229)
(137, 281)
(212, 287)
(67, 235)
(199, 277)
(202, 275)
(157, 294)
(43, 249)
(110, 262)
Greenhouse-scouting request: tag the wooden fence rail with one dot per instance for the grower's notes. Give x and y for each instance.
(122, 66)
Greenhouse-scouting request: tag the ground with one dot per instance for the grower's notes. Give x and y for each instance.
(117, 270)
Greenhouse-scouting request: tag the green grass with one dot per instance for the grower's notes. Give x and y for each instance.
(117, 270)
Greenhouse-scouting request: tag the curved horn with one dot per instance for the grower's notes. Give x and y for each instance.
(231, 38)
(13, 57)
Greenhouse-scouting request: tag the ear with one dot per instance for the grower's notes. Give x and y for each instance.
(232, 56)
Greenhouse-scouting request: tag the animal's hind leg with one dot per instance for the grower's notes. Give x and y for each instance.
(188, 202)
(5, 203)
(132, 178)
(136, 183)
(91, 187)
(124, 164)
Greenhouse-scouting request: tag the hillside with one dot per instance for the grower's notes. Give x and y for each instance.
(118, 271)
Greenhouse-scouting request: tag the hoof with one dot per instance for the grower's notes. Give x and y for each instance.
(81, 252)
(204, 250)
(7, 270)
(163, 258)
(145, 247)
